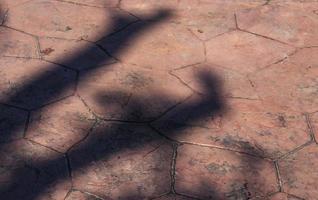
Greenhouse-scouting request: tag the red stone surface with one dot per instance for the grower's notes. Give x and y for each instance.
(35, 17)
(231, 83)
(12, 123)
(31, 83)
(60, 125)
(282, 196)
(244, 52)
(78, 195)
(16, 44)
(294, 24)
(97, 3)
(25, 172)
(66, 52)
(299, 172)
(243, 125)
(161, 47)
(144, 9)
(125, 162)
(219, 174)
(208, 19)
(291, 84)
(129, 92)
(174, 197)
(158, 99)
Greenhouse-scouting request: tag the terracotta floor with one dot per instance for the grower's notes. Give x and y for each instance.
(158, 99)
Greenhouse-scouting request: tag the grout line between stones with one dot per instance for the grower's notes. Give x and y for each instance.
(278, 177)
(310, 127)
(173, 167)
(295, 150)
(236, 22)
(52, 102)
(118, 30)
(224, 148)
(26, 125)
(81, 4)
(84, 138)
(69, 169)
(38, 47)
(14, 106)
(18, 30)
(266, 37)
(45, 146)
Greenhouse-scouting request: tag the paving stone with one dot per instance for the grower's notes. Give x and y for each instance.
(299, 172)
(282, 196)
(12, 123)
(229, 82)
(60, 125)
(163, 47)
(78, 195)
(10, 4)
(246, 51)
(30, 83)
(210, 18)
(242, 125)
(76, 54)
(144, 9)
(122, 161)
(98, 3)
(130, 92)
(314, 122)
(27, 173)
(14, 43)
(292, 84)
(219, 174)
(235, 99)
(174, 197)
(291, 23)
(61, 19)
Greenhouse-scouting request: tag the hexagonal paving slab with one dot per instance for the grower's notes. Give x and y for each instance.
(16, 44)
(60, 125)
(132, 93)
(244, 52)
(122, 161)
(242, 125)
(219, 174)
(210, 18)
(230, 83)
(299, 172)
(30, 83)
(164, 46)
(291, 23)
(31, 171)
(12, 123)
(292, 84)
(61, 19)
(76, 54)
